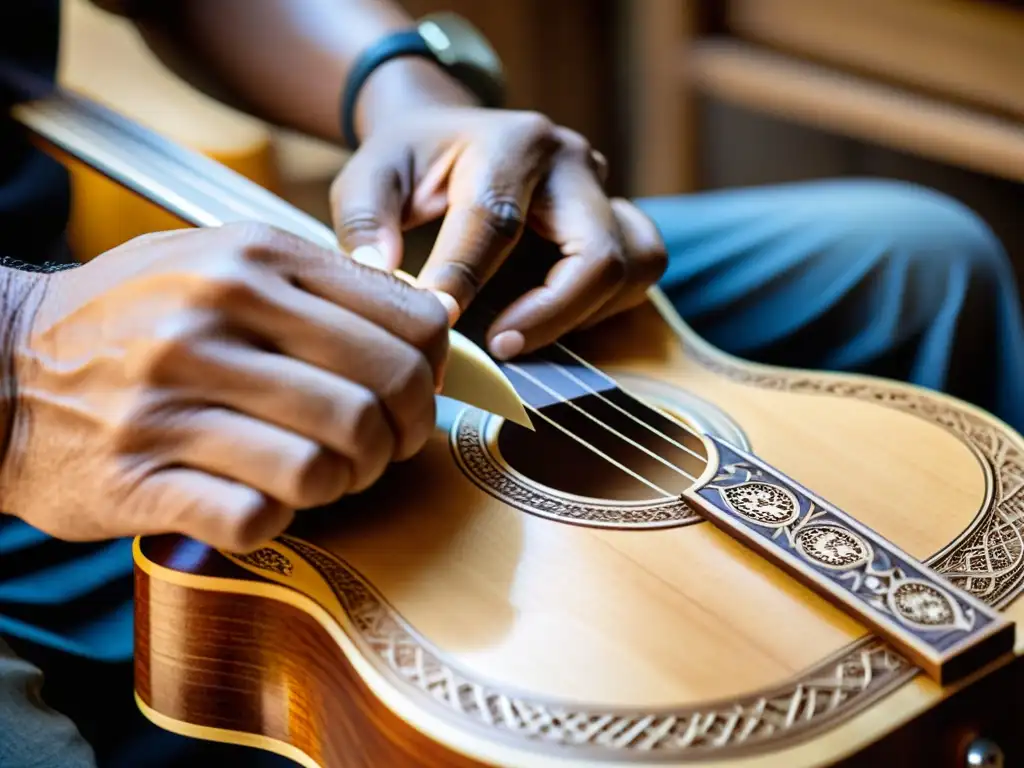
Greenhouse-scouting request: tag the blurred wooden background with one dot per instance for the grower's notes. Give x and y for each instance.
(685, 95)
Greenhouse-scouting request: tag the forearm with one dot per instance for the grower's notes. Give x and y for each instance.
(286, 60)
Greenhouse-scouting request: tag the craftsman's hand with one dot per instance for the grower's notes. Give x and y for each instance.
(211, 382)
(490, 173)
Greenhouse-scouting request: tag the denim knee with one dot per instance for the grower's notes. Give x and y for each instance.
(929, 228)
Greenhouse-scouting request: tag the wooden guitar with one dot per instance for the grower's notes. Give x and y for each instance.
(690, 558)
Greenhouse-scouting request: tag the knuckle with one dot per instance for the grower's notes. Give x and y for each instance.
(162, 359)
(228, 287)
(133, 428)
(365, 417)
(249, 236)
(652, 262)
(609, 254)
(411, 379)
(254, 520)
(501, 213)
(254, 243)
(160, 363)
(429, 331)
(358, 222)
(534, 126)
(319, 477)
(573, 143)
(318, 408)
(372, 439)
(410, 402)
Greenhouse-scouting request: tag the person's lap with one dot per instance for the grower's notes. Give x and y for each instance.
(865, 276)
(861, 276)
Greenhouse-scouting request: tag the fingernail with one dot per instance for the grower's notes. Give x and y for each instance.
(507, 344)
(370, 256)
(450, 304)
(439, 384)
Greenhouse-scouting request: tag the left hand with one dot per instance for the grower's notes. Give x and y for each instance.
(490, 173)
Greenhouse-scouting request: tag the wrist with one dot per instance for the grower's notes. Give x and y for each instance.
(19, 292)
(402, 85)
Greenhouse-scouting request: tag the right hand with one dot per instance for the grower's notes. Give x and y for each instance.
(211, 382)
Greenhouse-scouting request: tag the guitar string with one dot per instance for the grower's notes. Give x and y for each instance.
(657, 412)
(602, 454)
(593, 418)
(260, 204)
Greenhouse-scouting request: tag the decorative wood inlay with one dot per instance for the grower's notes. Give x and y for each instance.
(469, 447)
(987, 559)
(942, 628)
(826, 693)
(267, 559)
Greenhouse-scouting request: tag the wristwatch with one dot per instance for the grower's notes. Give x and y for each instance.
(444, 38)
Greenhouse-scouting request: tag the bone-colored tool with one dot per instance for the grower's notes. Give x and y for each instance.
(204, 192)
(472, 377)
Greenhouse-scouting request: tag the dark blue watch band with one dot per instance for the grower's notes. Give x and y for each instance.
(407, 43)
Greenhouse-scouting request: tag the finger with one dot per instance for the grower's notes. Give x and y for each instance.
(576, 145)
(489, 192)
(340, 413)
(313, 286)
(291, 469)
(576, 216)
(390, 374)
(219, 512)
(645, 252)
(366, 204)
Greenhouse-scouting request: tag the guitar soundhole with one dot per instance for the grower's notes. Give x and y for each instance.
(553, 459)
(598, 461)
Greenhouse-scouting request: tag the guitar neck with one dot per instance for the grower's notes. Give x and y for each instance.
(200, 191)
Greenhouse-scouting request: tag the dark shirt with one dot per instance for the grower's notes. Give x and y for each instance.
(34, 188)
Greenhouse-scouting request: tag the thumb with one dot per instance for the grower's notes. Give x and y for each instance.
(367, 199)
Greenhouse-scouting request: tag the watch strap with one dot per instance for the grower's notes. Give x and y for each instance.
(404, 43)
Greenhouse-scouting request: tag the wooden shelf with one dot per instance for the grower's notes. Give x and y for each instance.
(965, 50)
(857, 107)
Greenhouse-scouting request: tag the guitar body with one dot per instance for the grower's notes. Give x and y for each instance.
(508, 598)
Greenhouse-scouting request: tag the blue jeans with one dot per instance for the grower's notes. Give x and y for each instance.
(872, 277)
(864, 276)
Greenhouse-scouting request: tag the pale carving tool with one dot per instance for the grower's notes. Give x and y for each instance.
(178, 180)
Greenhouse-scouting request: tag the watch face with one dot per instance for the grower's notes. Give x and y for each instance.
(457, 43)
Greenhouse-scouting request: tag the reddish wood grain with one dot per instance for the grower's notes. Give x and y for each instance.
(260, 666)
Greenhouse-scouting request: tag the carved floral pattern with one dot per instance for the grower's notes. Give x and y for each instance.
(762, 503)
(922, 604)
(832, 547)
(267, 559)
